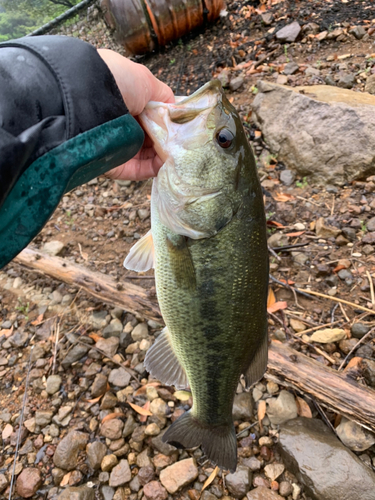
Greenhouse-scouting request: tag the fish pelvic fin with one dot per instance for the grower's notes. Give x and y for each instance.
(219, 443)
(258, 364)
(161, 361)
(141, 255)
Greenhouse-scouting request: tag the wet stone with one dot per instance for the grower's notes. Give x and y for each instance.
(285, 488)
(243, 406)
(263, 493)
(18, 339)
(178, 475)
(75, 354)
(140, 332)
(354, 436)
(322, 463)
(95, 453)
(108, 462)
(289, 33)
(239, 482)
(66, 454)
(77, 493)
(252, 463)
(53, 384)
(346, 81)
(99, 385)
(108, 346)
(28, 482)
(107, 492)
(282, 409)
(119, 377)
(120, 474)
(112, 429)
(289, 69)
(146, 474)
(164, 448)
(155, 491)
(359, 330)
(43, 418)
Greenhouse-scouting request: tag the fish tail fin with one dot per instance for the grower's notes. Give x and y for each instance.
(219, 443)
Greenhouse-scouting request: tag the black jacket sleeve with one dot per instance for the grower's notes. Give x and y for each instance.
(52, 88)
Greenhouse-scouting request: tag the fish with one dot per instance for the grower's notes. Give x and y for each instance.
(208, 246)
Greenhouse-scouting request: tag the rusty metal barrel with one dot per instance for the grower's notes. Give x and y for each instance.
(143, 25)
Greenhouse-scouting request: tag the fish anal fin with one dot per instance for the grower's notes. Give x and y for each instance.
(141, 255)
(161, 361)
(219, 443)
(182, 263)
(258, 364)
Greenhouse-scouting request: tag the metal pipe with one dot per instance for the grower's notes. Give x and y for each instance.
(63, 17)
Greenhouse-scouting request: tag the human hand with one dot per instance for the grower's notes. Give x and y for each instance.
(138, 86)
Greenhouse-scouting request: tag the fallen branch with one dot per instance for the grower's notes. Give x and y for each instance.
(333, 390)
(130, 297)
(335, 299)
(292, 368)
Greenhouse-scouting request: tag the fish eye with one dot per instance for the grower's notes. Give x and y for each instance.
(224, 138)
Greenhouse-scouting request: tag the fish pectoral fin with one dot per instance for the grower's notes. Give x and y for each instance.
(141, 255)
(161, 361)
(219, 443)
(181, 261)
(258, 364)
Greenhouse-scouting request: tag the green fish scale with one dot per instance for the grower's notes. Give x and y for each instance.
(216, 327)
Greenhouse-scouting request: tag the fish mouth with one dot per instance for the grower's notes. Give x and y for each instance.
(161, 120)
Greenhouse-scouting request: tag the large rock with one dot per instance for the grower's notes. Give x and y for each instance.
(178, 475)
(323, 132)
(28, 482)
(322, 463)
(354, 436)
(243, 406)
(239, 482)
(282, 408)
(66, 454)
(80, 493)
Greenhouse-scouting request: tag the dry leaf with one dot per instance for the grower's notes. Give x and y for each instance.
(274, 223)
(146, 407)
(65, 479)
(283, 197)
(7, 332)
(294, 235)
(140, 410)
(289, 282)
(277, 306)
(261, 412)
(303, 408)
(257, 134)
(95, 337)
(111, 416)
(38, 320)
(271, 299)
(84, 255)
(95, 400)
(210, 478)
(143, 389)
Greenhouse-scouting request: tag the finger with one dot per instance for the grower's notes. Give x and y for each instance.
(136, 169)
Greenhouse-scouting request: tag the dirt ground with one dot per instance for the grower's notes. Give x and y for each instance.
(100, 221)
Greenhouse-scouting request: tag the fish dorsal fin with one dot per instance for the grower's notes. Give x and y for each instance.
(141, 255)
(258, 364)
(161, 361)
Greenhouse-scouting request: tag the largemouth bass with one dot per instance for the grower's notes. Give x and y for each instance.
(209, 249)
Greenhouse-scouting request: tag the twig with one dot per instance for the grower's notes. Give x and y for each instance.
(287, 248)
(20, 425)
(309, 330)
(316, 349)
(323, 295)
(343, 312)
(355, 347)
(266, 56)
(272, 251)
(309, 201)
(324, 416)
(333, 312)
(246, 429)
(371, 284)
(311, 323)
(55, 349)
(281, 283)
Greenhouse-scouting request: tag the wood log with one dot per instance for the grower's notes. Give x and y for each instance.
(332, 389)
(130, 297)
